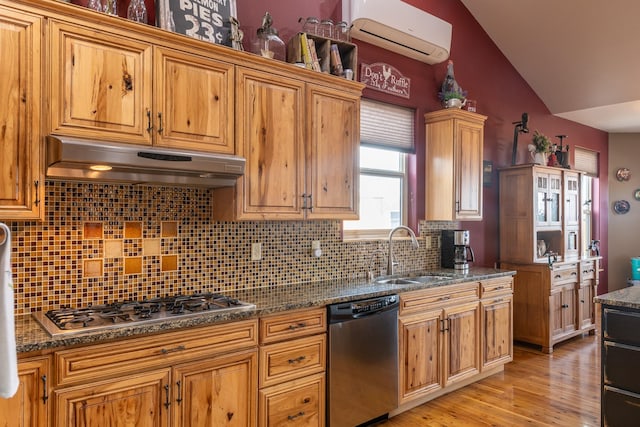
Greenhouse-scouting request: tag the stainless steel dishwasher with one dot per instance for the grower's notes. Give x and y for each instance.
(363, 361)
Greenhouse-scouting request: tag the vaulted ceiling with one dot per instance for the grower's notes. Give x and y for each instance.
(581, 57)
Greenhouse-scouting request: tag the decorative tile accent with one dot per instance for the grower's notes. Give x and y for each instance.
(92, 230)
(169, 229)
(133, 265)
(169, 263)
(92, 268)
(151, 247)
(83, 222)
(113, 248)
(132, 230)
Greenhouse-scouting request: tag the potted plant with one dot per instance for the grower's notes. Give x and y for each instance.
(540, 148)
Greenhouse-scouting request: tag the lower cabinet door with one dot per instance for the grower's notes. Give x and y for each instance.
(462, 337)
(620, 408)
(217, 392)
(28, 407)
(497, 331)
(295, 403)
(139, 400)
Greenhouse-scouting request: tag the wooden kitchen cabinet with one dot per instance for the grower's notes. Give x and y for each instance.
(562, 310)
(293, 359)
(301, 143)
(496, 321)
(110, 87)
(453, 167)
(29, 407)
(201, 376)
(439, 339)
(21, 176)
(587, 291)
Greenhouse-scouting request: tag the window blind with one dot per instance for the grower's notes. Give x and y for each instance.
(586, 161)
(385, 125)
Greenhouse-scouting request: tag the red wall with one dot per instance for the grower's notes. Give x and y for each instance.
(489, 78)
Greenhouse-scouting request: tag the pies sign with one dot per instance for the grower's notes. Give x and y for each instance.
(385, 78)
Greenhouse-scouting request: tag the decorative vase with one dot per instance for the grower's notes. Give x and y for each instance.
(453, 103)
(540, 159)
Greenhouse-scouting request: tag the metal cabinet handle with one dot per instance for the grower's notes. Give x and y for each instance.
(310, 196)
(297, 325)
(37, 201)
(293, 417)
(565, 305)
(179, 398)
(557, 276)
(149, 124)
(160, 128)
(172, 350)
(297, 360)
(45, 393)
(166, 401)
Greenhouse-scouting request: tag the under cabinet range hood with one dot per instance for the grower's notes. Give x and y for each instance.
(77, 159)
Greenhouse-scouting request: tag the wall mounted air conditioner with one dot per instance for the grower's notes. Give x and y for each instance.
(399, 27)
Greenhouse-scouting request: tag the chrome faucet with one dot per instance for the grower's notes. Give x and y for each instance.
(414, 243)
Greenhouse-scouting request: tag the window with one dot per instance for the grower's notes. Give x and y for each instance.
(386, 136)
(586, 161)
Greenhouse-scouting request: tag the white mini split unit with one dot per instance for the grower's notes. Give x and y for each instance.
(399, 27)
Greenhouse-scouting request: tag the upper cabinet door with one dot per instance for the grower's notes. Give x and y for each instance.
(100, 85)
(21, 177)
(332, 154)
(468, 170)
(270, 123)
(195, 102)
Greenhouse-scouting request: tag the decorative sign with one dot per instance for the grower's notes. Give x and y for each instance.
(385, 78)
(208, 20)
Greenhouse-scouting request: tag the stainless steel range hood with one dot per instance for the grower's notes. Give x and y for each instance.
(77, 159)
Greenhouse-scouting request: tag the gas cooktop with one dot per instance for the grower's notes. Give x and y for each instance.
(92, 318)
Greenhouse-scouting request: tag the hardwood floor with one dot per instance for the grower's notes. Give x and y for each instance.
(536, 389)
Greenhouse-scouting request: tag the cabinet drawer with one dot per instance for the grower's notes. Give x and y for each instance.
(296, 403)
(587, 270)
(495, 287)
(292, 359)
(118, 358)
(621, 366)
(564, 274)
(621, 326)
(620, 408)
(439, 297)
(292, 325)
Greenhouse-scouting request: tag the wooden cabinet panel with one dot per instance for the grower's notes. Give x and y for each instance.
(497, 331)
(453, 167)
(270, 132)
(141, 400)
(100, 84)
(462, 335)
(586, 307)
(292, 359)
(294, 324)
(332, 154)
(195, 97)
(295, 403)
(421, 347)
(29, 407)
(21, 176)
(217, 392)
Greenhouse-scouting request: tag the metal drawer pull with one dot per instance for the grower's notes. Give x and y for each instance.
(297, 360)
(293, 417)
(166, 402)
(565, 305)
(45, 393)
(574, 273)
(179, 398)
(172, 350)
(444, 298)
(557, 276)
(149, 125)
(297, 325)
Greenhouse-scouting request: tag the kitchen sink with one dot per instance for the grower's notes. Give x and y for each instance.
(412, 280)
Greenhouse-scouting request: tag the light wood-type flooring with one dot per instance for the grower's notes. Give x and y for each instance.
(536, 389)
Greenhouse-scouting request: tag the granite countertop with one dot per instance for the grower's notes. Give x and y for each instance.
(626, 297)
(30, 336)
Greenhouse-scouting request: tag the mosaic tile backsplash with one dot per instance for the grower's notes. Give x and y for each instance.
(105, 242)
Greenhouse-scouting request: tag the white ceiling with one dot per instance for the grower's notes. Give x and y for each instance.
(581, 57)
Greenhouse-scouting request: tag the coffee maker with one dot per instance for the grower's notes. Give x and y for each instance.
(455, 251)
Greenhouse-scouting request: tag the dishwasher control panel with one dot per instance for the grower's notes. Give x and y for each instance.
(354, 309)
(372, 305)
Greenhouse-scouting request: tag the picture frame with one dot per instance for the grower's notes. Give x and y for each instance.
(208, 20)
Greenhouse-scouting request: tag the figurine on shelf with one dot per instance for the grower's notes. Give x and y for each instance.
(451, 94)
(236, 34)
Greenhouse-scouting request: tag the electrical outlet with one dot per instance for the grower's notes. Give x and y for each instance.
(437, 242)
(256, 251)
(427, 242)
